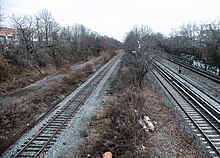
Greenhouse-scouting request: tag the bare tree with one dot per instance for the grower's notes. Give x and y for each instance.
(38, 31)
(46, 26)
(137, 45)
(202, 41)
(1, 15)
(25, 32)
(82, 41)
(42, 40)
(213, 42)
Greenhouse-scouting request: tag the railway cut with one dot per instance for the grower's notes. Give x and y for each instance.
(49, 132)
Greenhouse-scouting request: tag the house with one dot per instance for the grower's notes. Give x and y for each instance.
(7, 36)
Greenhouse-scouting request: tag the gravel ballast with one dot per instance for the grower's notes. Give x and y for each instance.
(185, 128)
(76, 131)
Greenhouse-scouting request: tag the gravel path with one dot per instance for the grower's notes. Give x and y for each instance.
(24, 93)
(42, 84)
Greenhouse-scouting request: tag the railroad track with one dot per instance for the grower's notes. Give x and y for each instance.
(212, 102)
(200, 114)
(42, 140)
(201, 72)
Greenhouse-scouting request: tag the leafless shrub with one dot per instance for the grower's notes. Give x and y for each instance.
(4, 69)
(88, 69)
(72, 79)
(125, 79)
(138, 44)
(116, 127)
(4, 75)
(76, 77)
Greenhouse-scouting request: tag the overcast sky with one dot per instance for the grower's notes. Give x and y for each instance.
(116, 17)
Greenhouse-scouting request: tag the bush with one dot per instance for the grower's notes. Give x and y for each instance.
(4, 74)
(5, 69)
(88, 69)
(116, 127)
(72, 79)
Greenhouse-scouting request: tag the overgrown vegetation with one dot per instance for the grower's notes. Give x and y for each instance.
(42, 43)
(4, 68)
(115, 128)
(200, 40)
(137, 46)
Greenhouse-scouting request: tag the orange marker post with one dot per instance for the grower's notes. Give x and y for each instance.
(107, 154)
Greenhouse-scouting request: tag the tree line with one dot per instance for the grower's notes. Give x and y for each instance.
(42, 41)
(202, 41)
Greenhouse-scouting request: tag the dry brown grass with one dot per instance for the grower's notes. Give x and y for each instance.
(18, 115)
(20, 78)
(116, 127)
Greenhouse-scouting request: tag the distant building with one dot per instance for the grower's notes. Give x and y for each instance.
(7, 36)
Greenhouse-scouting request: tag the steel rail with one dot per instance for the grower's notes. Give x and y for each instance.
(192, 92)
(169, 79)
(201, 72)
(97, 79)
(195, 86)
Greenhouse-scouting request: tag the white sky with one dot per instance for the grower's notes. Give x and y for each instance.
(116, 17)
